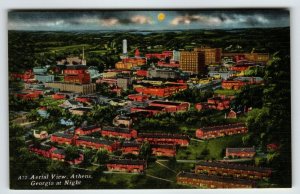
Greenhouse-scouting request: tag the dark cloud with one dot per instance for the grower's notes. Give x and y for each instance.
(80, 19)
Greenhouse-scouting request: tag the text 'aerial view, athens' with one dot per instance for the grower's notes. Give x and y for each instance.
(149, 99)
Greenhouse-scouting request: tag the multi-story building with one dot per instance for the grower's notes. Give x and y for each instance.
(77, 74)
(192, 61)
(131, 147)
(171, 106)
(212, 55)
(163, 150)
(118, 132)
(233, 170)
(207, 181)
(248, 152)
(96, 143)
(73, 87)
(62, 138)
(164, 138)
(127, 165)
(87, 130)
(221, 130)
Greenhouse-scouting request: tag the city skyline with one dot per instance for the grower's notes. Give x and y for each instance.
(72, 20)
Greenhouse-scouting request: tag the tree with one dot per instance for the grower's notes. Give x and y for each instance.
(101, 157)
(145, 150)
(71, 153)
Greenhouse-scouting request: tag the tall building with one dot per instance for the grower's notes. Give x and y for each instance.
(192, 61)
(212, 55)
(176, 55)
(83, 61)
(124, 46)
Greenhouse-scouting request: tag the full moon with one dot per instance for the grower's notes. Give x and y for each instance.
(161, 16)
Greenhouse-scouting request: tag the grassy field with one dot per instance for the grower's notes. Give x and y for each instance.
(215, 148)
(71, 47)
(226, 92)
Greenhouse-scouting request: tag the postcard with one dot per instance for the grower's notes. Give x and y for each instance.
(149, 99)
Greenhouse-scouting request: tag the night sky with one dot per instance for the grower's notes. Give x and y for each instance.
(146, 20)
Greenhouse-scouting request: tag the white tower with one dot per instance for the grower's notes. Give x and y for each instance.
(83, 61)
(124, 46)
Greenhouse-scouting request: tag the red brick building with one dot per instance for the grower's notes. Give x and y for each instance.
(138, 97)
(171, 106)
(126, 165)
(59, 154)
(233, 84)
(53, 153)
(62, 138)
(233, 170)
(164, 138)
(77, 74)
(152, 110)
(58, 96)
(221, 130)
(87, 130)
(43, 150)
(131, 147)
(206, 181)
(216, 103)
(241, 152)
(96, 143)
(118, 132)
(162, 91)
(163, 150)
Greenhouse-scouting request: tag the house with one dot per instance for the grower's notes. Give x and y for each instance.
(231, 115)
(208, 181)
(233, 170)
(62, 138)
(122, 121)
(164, 138)
(221, 130)
(87, 130)
(248, 152)
(163, 150)
(127, 165)
(118, 132)
(97, 143)
(130, 147)
(71, 104)
(80, 111)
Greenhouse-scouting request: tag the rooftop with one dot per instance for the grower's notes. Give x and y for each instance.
(233, 166)
(64, 135)
(166, 103)
(131, 144)
(96, 140)
(215, 178)
(116, 129)
(127, 162)
(248, 149)
(163, 135)
(223, 127)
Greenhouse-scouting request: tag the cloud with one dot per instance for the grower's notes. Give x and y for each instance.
(187, 19)
(141, 19)
(110, 22)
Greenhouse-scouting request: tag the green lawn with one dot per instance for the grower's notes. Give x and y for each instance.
(63, 48)
(226, 92)
(216, 148)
